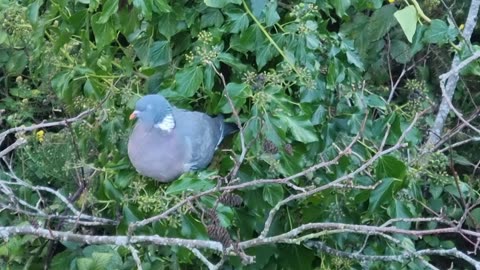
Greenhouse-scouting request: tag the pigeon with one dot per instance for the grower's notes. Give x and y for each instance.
(168, 141)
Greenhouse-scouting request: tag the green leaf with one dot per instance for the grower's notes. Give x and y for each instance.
(312, 41)
(104, 32)
(453, 190)
(110, 7)
(439, 33)
(407, 18)
(213, 17)
(273, 194)
(381, 22)
(264, 54)
(475, 214)
(232, 61)
(189, 80)
(167, 25)
(340, 6)
(32, 10)
(128, 215)
(389, 166)
(61, 84)
(221, 3)
(17, 62)
(258, 6)
(375, 101)
(238, 20)
(62, 259)
(145, 6)
(238, 92)
(111, 191)
(383, 193)
(247, 41)
(301, 128)
(85, 263)
(271, 14)
(400, 51)
(3, 36)
(400, 210)
(190, 184)
(193, 228)
(160, 53)
(354, 58)
(161, 6)
(102, 260)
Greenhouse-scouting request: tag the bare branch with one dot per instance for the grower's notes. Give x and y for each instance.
(8, 231)
(12, 146)
(137, 260)
(45, 124)
(449, 84)
(398, 258)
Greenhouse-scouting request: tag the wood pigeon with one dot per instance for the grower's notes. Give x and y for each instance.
(167, 141)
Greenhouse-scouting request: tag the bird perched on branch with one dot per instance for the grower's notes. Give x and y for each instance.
(167, 141)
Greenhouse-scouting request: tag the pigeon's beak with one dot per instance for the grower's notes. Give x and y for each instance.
(133, 115)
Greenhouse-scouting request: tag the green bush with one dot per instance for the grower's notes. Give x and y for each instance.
(306, 77)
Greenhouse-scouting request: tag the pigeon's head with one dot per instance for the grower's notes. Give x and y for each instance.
(154, 110)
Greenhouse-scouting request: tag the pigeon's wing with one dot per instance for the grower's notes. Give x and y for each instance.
(202, 135)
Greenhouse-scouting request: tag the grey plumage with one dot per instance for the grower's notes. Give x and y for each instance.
(167, 141)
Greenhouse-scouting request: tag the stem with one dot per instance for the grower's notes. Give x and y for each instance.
(270, 39)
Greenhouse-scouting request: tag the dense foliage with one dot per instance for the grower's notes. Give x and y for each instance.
(306, 77)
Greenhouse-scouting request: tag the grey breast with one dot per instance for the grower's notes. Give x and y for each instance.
(157, 154)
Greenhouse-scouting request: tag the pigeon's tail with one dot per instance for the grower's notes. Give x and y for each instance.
(229, 128)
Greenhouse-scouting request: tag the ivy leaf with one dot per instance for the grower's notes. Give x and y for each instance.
(400, 51)
(354, 58)
(301, 128)
(167, 25)
(273, 194)
(341, 6)
(381, 22)
(32, 11)
(407, 18)
(383, 193)
(109, 8)
(238, 20)
(247, 41)
(17, 62)
(85, 263)
(389, 166)
(271, 14)
(258, 6)
(220, 3)
(238, 92)
(439, 33)
(160, 53)
(264, 54)
(145, 6)
(191, 184)
(189, 80)
(399, 209)
(61, 84)
(162, 6)
(104, 32)
(193, 228)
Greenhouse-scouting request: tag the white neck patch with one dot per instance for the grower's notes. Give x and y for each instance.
(167, 124)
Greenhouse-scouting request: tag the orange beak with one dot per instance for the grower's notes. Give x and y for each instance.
(133, 115)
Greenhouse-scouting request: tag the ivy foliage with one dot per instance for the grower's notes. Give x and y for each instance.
(305, 76)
